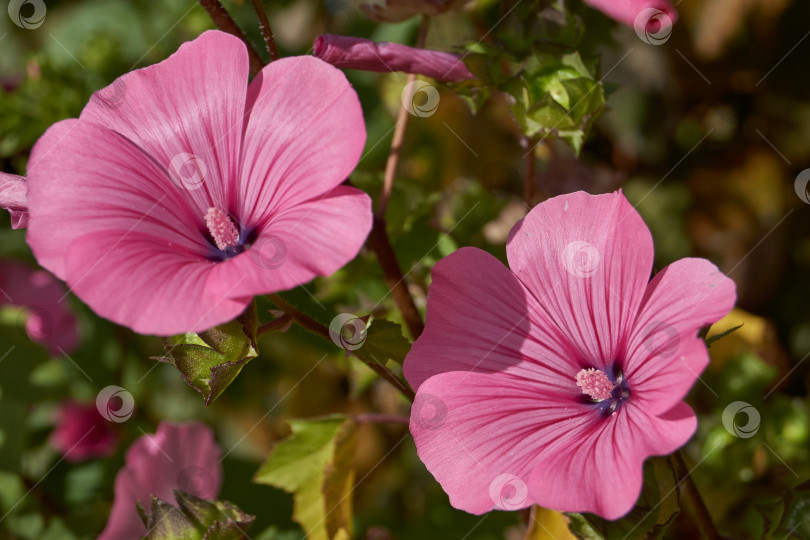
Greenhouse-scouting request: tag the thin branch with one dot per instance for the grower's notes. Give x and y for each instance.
(399, 134)
(378, 240)
(317, 328)
(380, 244)
(274, 325)
(225, 23)
(690, 492)
(267, 31)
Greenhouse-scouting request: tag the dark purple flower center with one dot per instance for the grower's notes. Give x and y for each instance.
(223, 233)
(604, 391)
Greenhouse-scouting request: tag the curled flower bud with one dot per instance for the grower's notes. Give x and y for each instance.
(357, 53)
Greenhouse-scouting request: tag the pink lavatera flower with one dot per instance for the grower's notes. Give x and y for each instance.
(181, 192)
(550, 382)
(48, 317)
(358, 53)
(82, 433)
(178, 456)
(638, 13)
(13, 198)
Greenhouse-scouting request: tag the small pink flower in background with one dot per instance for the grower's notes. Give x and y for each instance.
(178, 456)
(49, 320)
(635, 13)
(399, 10)
(181, 192)
(357, 53)
(550, 382)
(13, 199)
(82, 433)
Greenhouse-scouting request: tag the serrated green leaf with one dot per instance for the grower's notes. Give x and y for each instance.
(314, 464)
(209, 361)
(795, 520)
(655, 509)
(384, 342)
(168, 523)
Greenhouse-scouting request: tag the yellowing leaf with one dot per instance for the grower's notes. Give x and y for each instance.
(315, 465)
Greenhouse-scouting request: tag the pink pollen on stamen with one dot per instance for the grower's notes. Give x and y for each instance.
(222, 229)
(595, 384)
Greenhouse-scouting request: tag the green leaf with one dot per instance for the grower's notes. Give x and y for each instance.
(209, 361)
(648, 520)
(710, 340)
(168, 523)
(315, 464)
(794, 522)
(219, 520)
(384, 342)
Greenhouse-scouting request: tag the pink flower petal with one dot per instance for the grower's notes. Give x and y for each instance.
(315, 138)
(481, 318)
(357, 53)
(13, 198)
(598, 468)
(51, 322)
(309, 239)
(629, 11)
(665, 355)
(484, 469)
(132, 282)
(586, 259)
(190, 105)
(95, 180)
(178, 456)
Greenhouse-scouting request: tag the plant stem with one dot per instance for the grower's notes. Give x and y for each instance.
(695, 502)
(225, 23)
(368, 418)
(380, 244)
(378, 240)
(399, 135)
(317, 328)
(267, 31)
(272, 326)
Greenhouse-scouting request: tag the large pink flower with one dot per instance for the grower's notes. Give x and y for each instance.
(82, 433)
(178, 456)
(181, 192)
(49, 319)
(552, 382)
